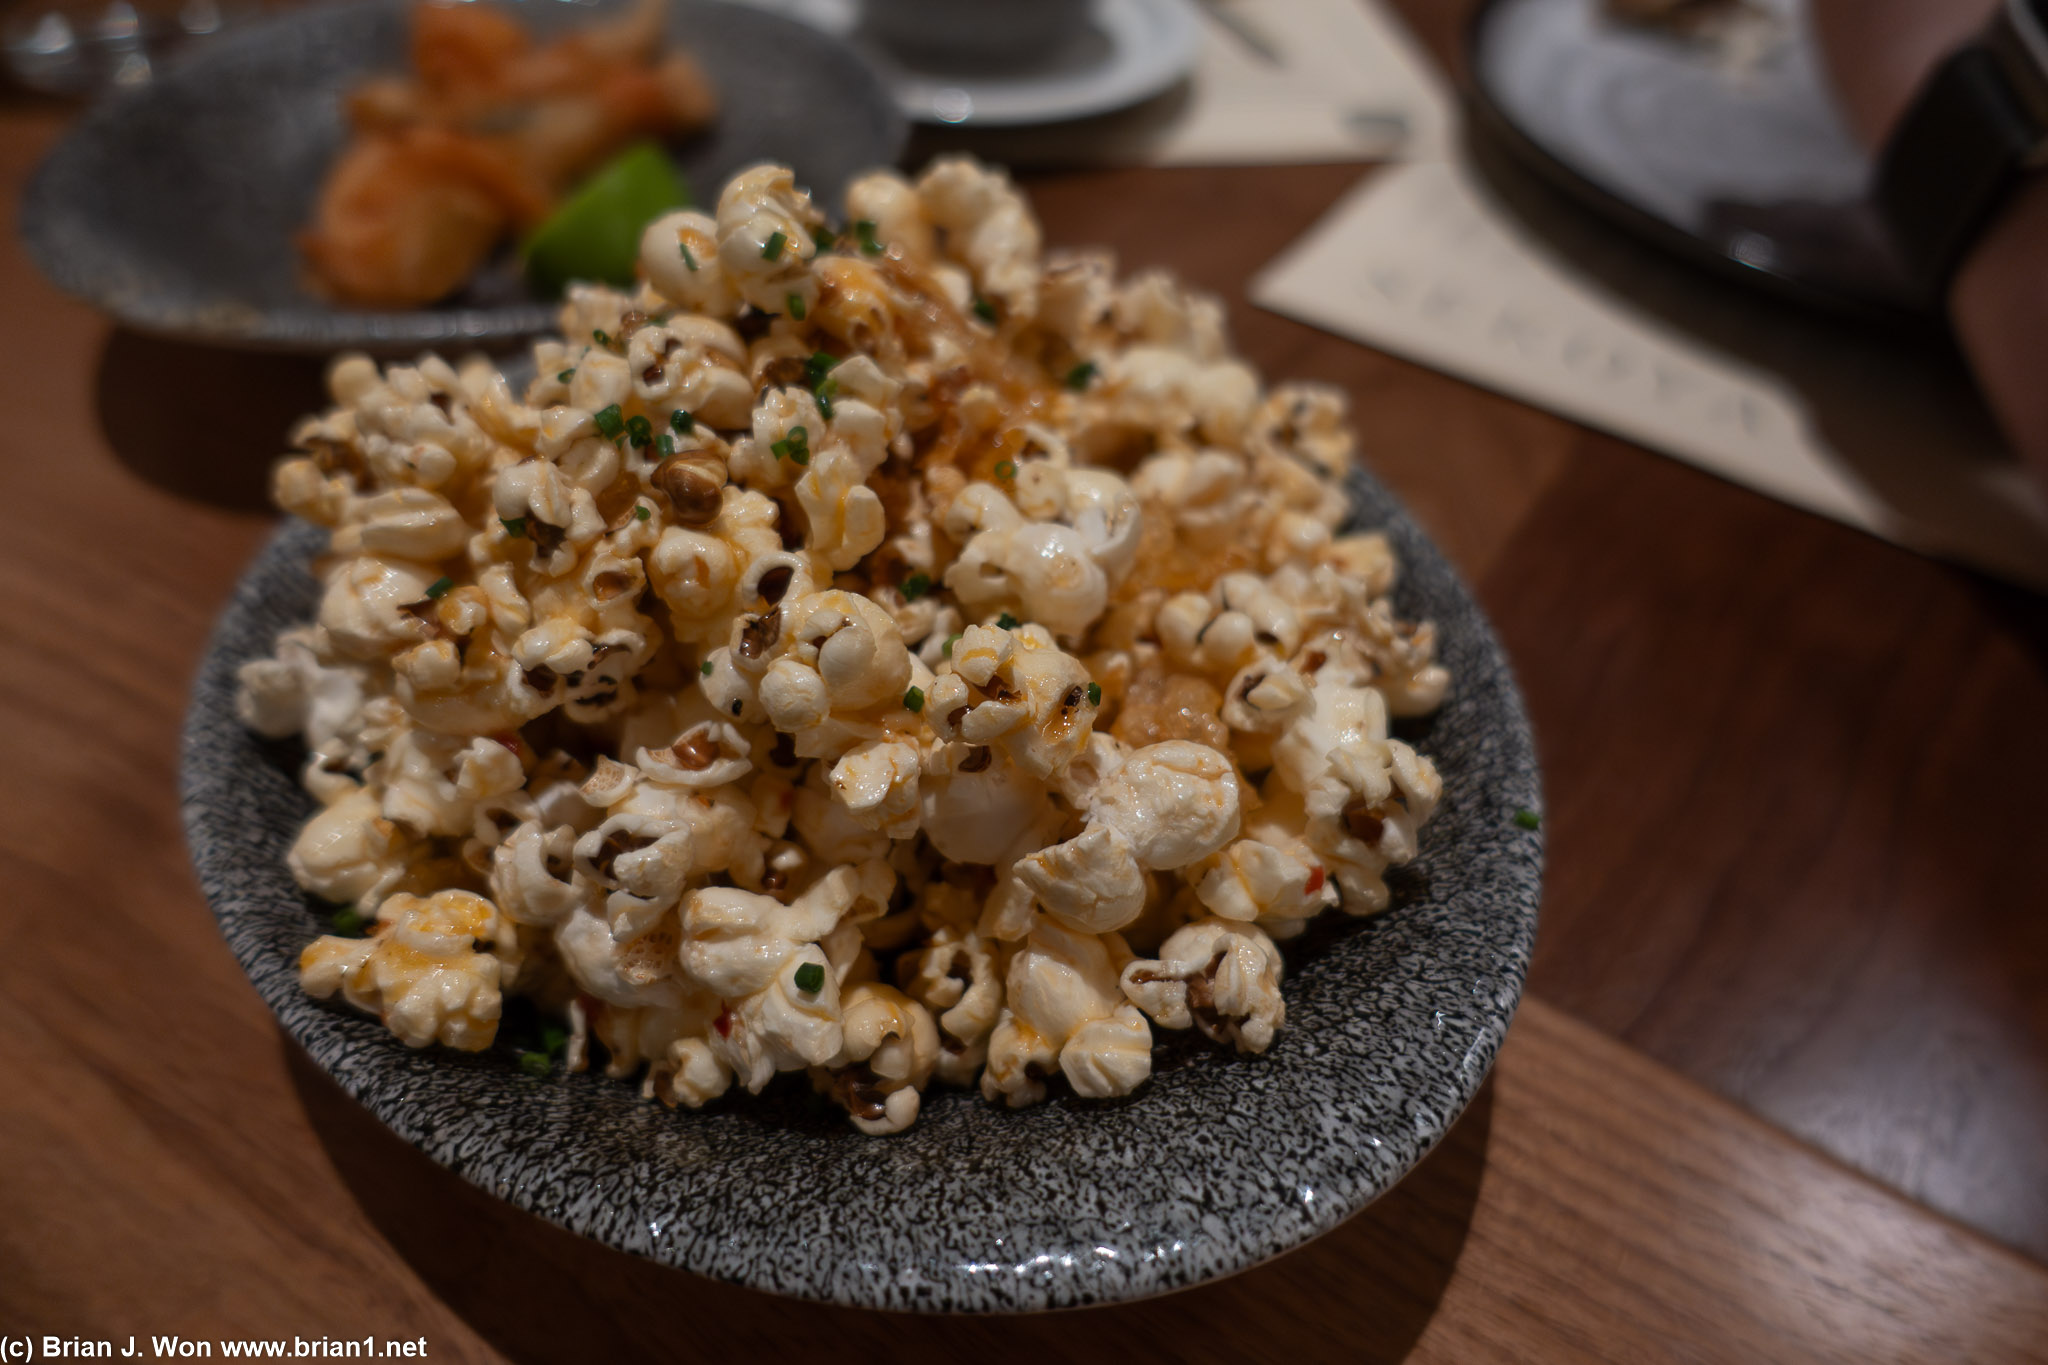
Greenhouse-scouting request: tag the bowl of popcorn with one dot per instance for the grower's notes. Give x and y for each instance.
(888, 768)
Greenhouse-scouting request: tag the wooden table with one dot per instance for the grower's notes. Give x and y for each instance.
(1779, 1091)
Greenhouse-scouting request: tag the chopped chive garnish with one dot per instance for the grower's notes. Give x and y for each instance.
(773, 250)
(1528, 819)
(682, 421)
(640, 430)
(665, 444)
(642, 512)
(1081, 375)
(688, 259)
(796, 446)
(536, 1064)
(810, 978)
(515, 527)
(1095, 694)
(1007, 622)
(438, 589)
(915, 586)
(865, 231)
(565, 376)
(818, 372)
(951, 640)
(1006, 470)
(554, 1038)
(796, 306)
(985, 310)
(610, 421)
(824, 237)
(913, 700)
(348, 922)
(602, 338)
(705, 668)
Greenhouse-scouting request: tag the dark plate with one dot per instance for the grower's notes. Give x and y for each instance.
(174, 208)
(1217, 1163)
(1746, 168)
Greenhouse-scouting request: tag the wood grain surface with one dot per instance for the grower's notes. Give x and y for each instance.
(1793, 932)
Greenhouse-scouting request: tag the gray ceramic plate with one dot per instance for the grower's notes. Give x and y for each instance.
(173, 208)
(1217, 1163)
(1744, 165)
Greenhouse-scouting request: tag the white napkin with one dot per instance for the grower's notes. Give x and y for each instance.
(1420, 261)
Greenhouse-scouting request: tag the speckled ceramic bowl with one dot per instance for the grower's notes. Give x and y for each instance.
(1216, 1163)
(174, 208)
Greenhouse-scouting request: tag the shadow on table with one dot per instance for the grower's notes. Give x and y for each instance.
(1363, 1292)
(201, 422)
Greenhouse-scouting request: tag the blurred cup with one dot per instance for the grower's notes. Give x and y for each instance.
(958, 35)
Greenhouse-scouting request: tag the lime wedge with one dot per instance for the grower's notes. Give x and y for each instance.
(595, 234)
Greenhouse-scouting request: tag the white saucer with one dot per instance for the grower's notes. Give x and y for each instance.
(1131, 51)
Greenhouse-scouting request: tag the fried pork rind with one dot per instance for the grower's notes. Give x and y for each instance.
(839, 656)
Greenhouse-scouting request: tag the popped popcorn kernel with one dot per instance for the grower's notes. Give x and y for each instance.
(844, 650)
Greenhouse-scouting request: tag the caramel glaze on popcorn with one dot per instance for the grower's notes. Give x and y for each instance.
(959, 711)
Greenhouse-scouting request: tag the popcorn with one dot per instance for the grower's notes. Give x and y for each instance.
(422, 972)
(1165, 806)
(295, 692)
(764, 239)
(888, 1049)
(974, 805)
(877, 783)
(1175, 802)
(534, 879)
(822, 656)
(697, 366)
(1065, 1009)
(989, 228)
(656, 839)
(633, 975)
(679, 257)
(899, 214)
(1045, 570)
(1092, 882)
(1016, 689)
(669, 1040)
(433, 782)
(707, 577)
(367, 609)
(1220, 976)
(349, 852)
(957, 976)
(1271, 877)
(839, 654)
(1360, 796)
(765, 960)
